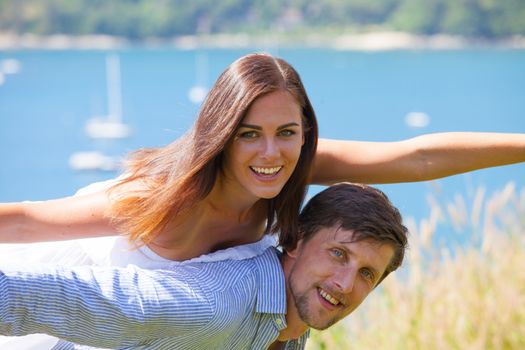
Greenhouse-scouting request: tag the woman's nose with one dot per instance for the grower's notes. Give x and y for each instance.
(270, 148)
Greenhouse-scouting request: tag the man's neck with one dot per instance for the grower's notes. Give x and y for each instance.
(292, 331)
(277, 345)
(295, 326)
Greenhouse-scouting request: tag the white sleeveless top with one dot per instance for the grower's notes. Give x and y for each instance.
(117, 251)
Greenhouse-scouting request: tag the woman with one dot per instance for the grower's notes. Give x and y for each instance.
(242, 171)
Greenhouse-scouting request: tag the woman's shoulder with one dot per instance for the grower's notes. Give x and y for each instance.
(124, 186)
(96, 187)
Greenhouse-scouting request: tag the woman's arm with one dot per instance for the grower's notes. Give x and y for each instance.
(59, 219)
(420, 158)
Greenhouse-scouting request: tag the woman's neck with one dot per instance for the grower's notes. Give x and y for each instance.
(204, 229)
(231, 200)
(225, 218)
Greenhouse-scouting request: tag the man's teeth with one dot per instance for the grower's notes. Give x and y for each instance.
(328, 297)
(266, 171)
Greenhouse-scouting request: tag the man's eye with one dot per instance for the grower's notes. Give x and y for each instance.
(367, 274)
(248, 134)
(338, 253)
(286, 132)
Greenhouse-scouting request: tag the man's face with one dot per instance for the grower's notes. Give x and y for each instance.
(329, 275)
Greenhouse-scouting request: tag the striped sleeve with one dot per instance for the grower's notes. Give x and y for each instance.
(104, 307)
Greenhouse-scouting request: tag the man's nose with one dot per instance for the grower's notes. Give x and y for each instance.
(345, 279)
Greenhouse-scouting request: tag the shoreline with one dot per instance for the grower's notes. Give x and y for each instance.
(373, 41)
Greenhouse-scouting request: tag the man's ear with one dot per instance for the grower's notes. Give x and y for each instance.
(293, 253)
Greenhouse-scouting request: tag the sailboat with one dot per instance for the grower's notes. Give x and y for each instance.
(8, 66)
(197, 92)
(110, 126)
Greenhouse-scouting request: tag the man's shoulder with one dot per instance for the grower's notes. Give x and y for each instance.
(229, 271)
(218, 275)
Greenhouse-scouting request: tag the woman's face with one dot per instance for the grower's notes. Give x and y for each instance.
(266, 147)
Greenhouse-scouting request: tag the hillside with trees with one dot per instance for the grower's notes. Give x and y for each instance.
(141, 19)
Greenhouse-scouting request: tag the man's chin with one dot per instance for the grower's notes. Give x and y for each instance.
(319, 324)
(323, 326)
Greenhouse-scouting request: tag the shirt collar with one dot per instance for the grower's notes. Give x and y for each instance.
(271, 293)
(301, 341)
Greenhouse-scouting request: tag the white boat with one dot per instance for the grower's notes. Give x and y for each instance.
(110, 126)
(10, 66)
(93, 160)
(417, 119)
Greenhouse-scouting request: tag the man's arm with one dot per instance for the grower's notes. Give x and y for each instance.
(102, 307)
(420, 158)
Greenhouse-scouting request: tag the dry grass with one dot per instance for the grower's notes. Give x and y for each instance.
(449, 295)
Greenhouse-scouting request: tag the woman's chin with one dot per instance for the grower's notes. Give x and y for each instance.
(268, 193)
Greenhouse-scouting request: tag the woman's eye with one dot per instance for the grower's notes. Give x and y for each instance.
(248, 134)
(286, 132)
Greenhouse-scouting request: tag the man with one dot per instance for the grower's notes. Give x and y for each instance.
(351, 239)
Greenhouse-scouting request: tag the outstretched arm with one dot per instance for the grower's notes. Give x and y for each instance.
(59, 219)
(102, 307)
(420, 158)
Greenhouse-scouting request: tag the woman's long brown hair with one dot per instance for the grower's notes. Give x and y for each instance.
(179, 175)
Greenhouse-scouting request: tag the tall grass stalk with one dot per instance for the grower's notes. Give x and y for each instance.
(449, 295)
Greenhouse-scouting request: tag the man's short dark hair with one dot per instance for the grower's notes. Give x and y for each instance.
(365, 210)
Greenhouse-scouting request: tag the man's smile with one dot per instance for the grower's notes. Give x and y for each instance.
(328, 297)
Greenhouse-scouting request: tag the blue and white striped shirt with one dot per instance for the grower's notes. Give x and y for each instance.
(229, 304)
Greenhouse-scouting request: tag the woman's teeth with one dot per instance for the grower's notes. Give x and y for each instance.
(266, 171)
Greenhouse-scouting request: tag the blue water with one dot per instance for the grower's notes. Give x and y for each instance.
(362, 96)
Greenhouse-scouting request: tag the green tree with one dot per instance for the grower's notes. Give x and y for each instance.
(139, 19)
(416, 16)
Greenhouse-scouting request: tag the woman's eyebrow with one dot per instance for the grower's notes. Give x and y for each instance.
(287, 125)
(257, 127)
(250, 126)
